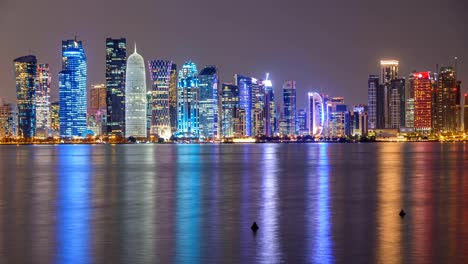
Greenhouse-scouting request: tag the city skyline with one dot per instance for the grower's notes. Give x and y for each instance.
(322, 65)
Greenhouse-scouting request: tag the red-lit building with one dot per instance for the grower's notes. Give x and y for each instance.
(422, 86)
(465, 113)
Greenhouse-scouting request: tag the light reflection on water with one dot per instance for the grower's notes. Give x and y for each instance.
(314, 203)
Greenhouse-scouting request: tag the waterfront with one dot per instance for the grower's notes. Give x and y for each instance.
(178, 203)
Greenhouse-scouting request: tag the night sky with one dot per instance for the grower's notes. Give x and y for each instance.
(330, 46)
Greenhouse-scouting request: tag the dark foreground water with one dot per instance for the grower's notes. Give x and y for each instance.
(314, 203)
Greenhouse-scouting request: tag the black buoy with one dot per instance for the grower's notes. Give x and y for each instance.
(254, 227)
(402, 213)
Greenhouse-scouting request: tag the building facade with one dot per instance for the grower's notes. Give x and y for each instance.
(173, 98)
(188, 102)
(446, 101)
(315, 114)
(160, 72)
(97, 109)
(374, 111)
(229, 110)
(43, 80)
(244, 84)
(135, 97)
(396, 115)
(208, 104)
(289, 102)
(25, 73)
(422, 86)
(388, 72)
(116, 64)
(72, 89)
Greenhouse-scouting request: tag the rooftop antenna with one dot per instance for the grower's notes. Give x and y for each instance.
(456, 67)
(135, 47)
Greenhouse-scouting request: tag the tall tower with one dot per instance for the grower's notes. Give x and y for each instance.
(187, 101)
(208, 83)
(289, 102)
(229, 109)
(245, 103)
(116, 64)
(135, 97)
(160, 72)
(43, 80)
(270, 107)
(173, 98)
(97, 108)
(388, 73)
(72, 89)
(445, 119)
(374, 110)
(315, 114)
(25, 73)
(422, 101)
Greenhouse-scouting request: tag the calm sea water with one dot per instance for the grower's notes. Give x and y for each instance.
(314, 203)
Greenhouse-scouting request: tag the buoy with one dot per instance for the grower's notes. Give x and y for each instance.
(254, 227)
(402, 213)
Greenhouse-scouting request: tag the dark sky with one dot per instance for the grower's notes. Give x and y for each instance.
(329, 46)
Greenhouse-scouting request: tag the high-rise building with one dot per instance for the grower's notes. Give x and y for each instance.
(388, 73)
(173, 98)
(55, 118)
(315, 114)
(97, 109)
(446, 95)
(374, 110)
(25, 73)
(160, 72)
(396, 96)
(337, 117)
(358, 120)
(258, 108)
(245, 102)
(135, 97)
(208, 104)
(289, 102)
(72, 89)
(422, 87)
(229, 109)
(116, 64)
(270, 108)
(188, 101)
(465, 113)
(301, 120)
(43, 80)
(8, 119)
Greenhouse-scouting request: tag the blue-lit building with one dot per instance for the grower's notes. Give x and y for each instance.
(208, 104)
(72, 89)
(270, 108)
(229, 109)
(25, 73)
(245, 101)
(116, 65)
(188, 102)
(160, 72)
(289, 104)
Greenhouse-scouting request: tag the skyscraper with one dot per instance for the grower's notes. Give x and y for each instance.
(396, 96)
(8, 119)
(270, 108)
(43, 80)
(187, 101)
(244, 84)
(160, 72)
(72, 89)
(388, 73)
(446, 95)
(116, 64)
(301, 120)
(55, 118)
(422, 101)
(315, 114)
(337, 116)
(375, 110)
(173, 98)
(135, 97)
(289, 102)
(229, 109)
(97, 108)
(465, 113)
(208, 83)
(25, 72)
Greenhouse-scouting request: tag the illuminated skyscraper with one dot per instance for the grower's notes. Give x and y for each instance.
(135, 97)
(422, 86)
(55, 118)
(97, 108)
(374, 109)
(446, 95)
(8, 119)
(358, 121)
(25, 73)
(388, 73)
(465, 113)
(258, 108)
(173, 98)
(301, 120)
(229, 109)
(72, 89)
(315, 114)
(208, 83)
(43, 80)
(245, 102)
(337, 116)
(116, 64)
(187, 101)
(270, 108)
(160, 71)
(289, 102)
(396, 96)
